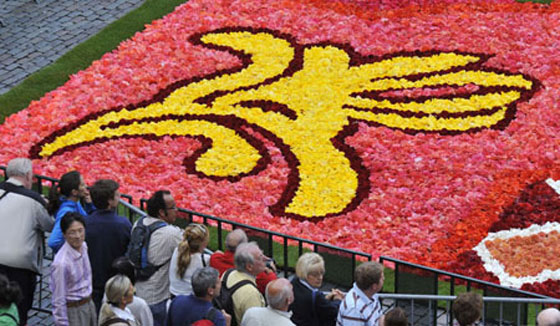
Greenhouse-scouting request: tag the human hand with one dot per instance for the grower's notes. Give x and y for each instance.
(87, 197)
(227, 317)
(335, 294)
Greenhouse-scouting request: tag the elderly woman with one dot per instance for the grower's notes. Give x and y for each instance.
(120, 293)
(311, 307)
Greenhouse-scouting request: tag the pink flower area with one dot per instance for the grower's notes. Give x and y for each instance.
(418, 187)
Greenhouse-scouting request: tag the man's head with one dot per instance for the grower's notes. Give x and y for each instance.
(206, 283)
(72, 185)
(162, 205)
(234, 238)
(73, 228)
(279, 294)
(21, 169)
(105, 194)
(369, 277)
(549, 317)
(249, 258)
(467, 308)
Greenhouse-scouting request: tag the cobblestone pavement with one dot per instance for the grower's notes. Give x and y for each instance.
(34, 34)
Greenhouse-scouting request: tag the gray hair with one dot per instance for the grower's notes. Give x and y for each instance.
(203, 279)
(234, 238)
(277, 299)
(309, 263)
(19, 167)
(244, 255)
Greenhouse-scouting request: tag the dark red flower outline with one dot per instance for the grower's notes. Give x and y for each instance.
(238, 124)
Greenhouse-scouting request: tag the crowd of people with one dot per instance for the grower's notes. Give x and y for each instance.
(107, 271)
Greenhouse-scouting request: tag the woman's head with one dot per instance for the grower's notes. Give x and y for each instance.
(311, 268)
(9, 292)
(119, 290)
(73, 228)
(195, 239)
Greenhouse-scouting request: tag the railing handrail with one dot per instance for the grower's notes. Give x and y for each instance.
(404, 296)
(277, 234)
(234, 224)
(462, 277)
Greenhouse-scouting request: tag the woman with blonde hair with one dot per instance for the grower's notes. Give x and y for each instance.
(311, 307)
(119, 292)
(187, 258)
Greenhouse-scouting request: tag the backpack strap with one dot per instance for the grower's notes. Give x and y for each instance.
(115, 320)
(238, 284)
(4, 195)
(151, 229)
(7, 314)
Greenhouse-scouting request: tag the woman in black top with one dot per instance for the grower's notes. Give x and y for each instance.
(311, 307)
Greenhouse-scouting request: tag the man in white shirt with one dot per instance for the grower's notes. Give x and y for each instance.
(279, 295)
(23, 219)
(155, 290)
(361, 306)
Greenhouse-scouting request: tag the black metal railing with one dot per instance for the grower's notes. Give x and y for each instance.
(340, 263)
(419, 279)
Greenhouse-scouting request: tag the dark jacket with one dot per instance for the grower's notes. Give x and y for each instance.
(107, 237)
(304, 314)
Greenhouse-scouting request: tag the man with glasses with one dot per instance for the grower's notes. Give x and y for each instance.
(23, 218)
(163, 241)
(107, 234)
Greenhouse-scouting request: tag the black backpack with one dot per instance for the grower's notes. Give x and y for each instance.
(225, 299)
(138, 249)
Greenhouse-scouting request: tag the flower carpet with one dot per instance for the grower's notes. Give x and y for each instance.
(422, 130)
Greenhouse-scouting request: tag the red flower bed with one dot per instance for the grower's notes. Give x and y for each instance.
(403, 128)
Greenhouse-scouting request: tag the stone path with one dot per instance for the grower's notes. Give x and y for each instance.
(33, 34)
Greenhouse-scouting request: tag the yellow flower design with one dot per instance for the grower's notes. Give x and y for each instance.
(303, 97)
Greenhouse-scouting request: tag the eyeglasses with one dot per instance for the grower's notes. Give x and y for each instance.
(76, 232)
(172, 208)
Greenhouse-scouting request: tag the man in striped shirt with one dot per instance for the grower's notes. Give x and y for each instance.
(361, 306)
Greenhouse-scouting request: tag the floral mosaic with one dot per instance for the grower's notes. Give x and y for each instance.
(413, 129)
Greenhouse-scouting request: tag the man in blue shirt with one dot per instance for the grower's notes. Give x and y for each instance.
(185, 310)
(107, 234)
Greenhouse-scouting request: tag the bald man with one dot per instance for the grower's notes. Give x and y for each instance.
(549, 317)
(279, 295)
